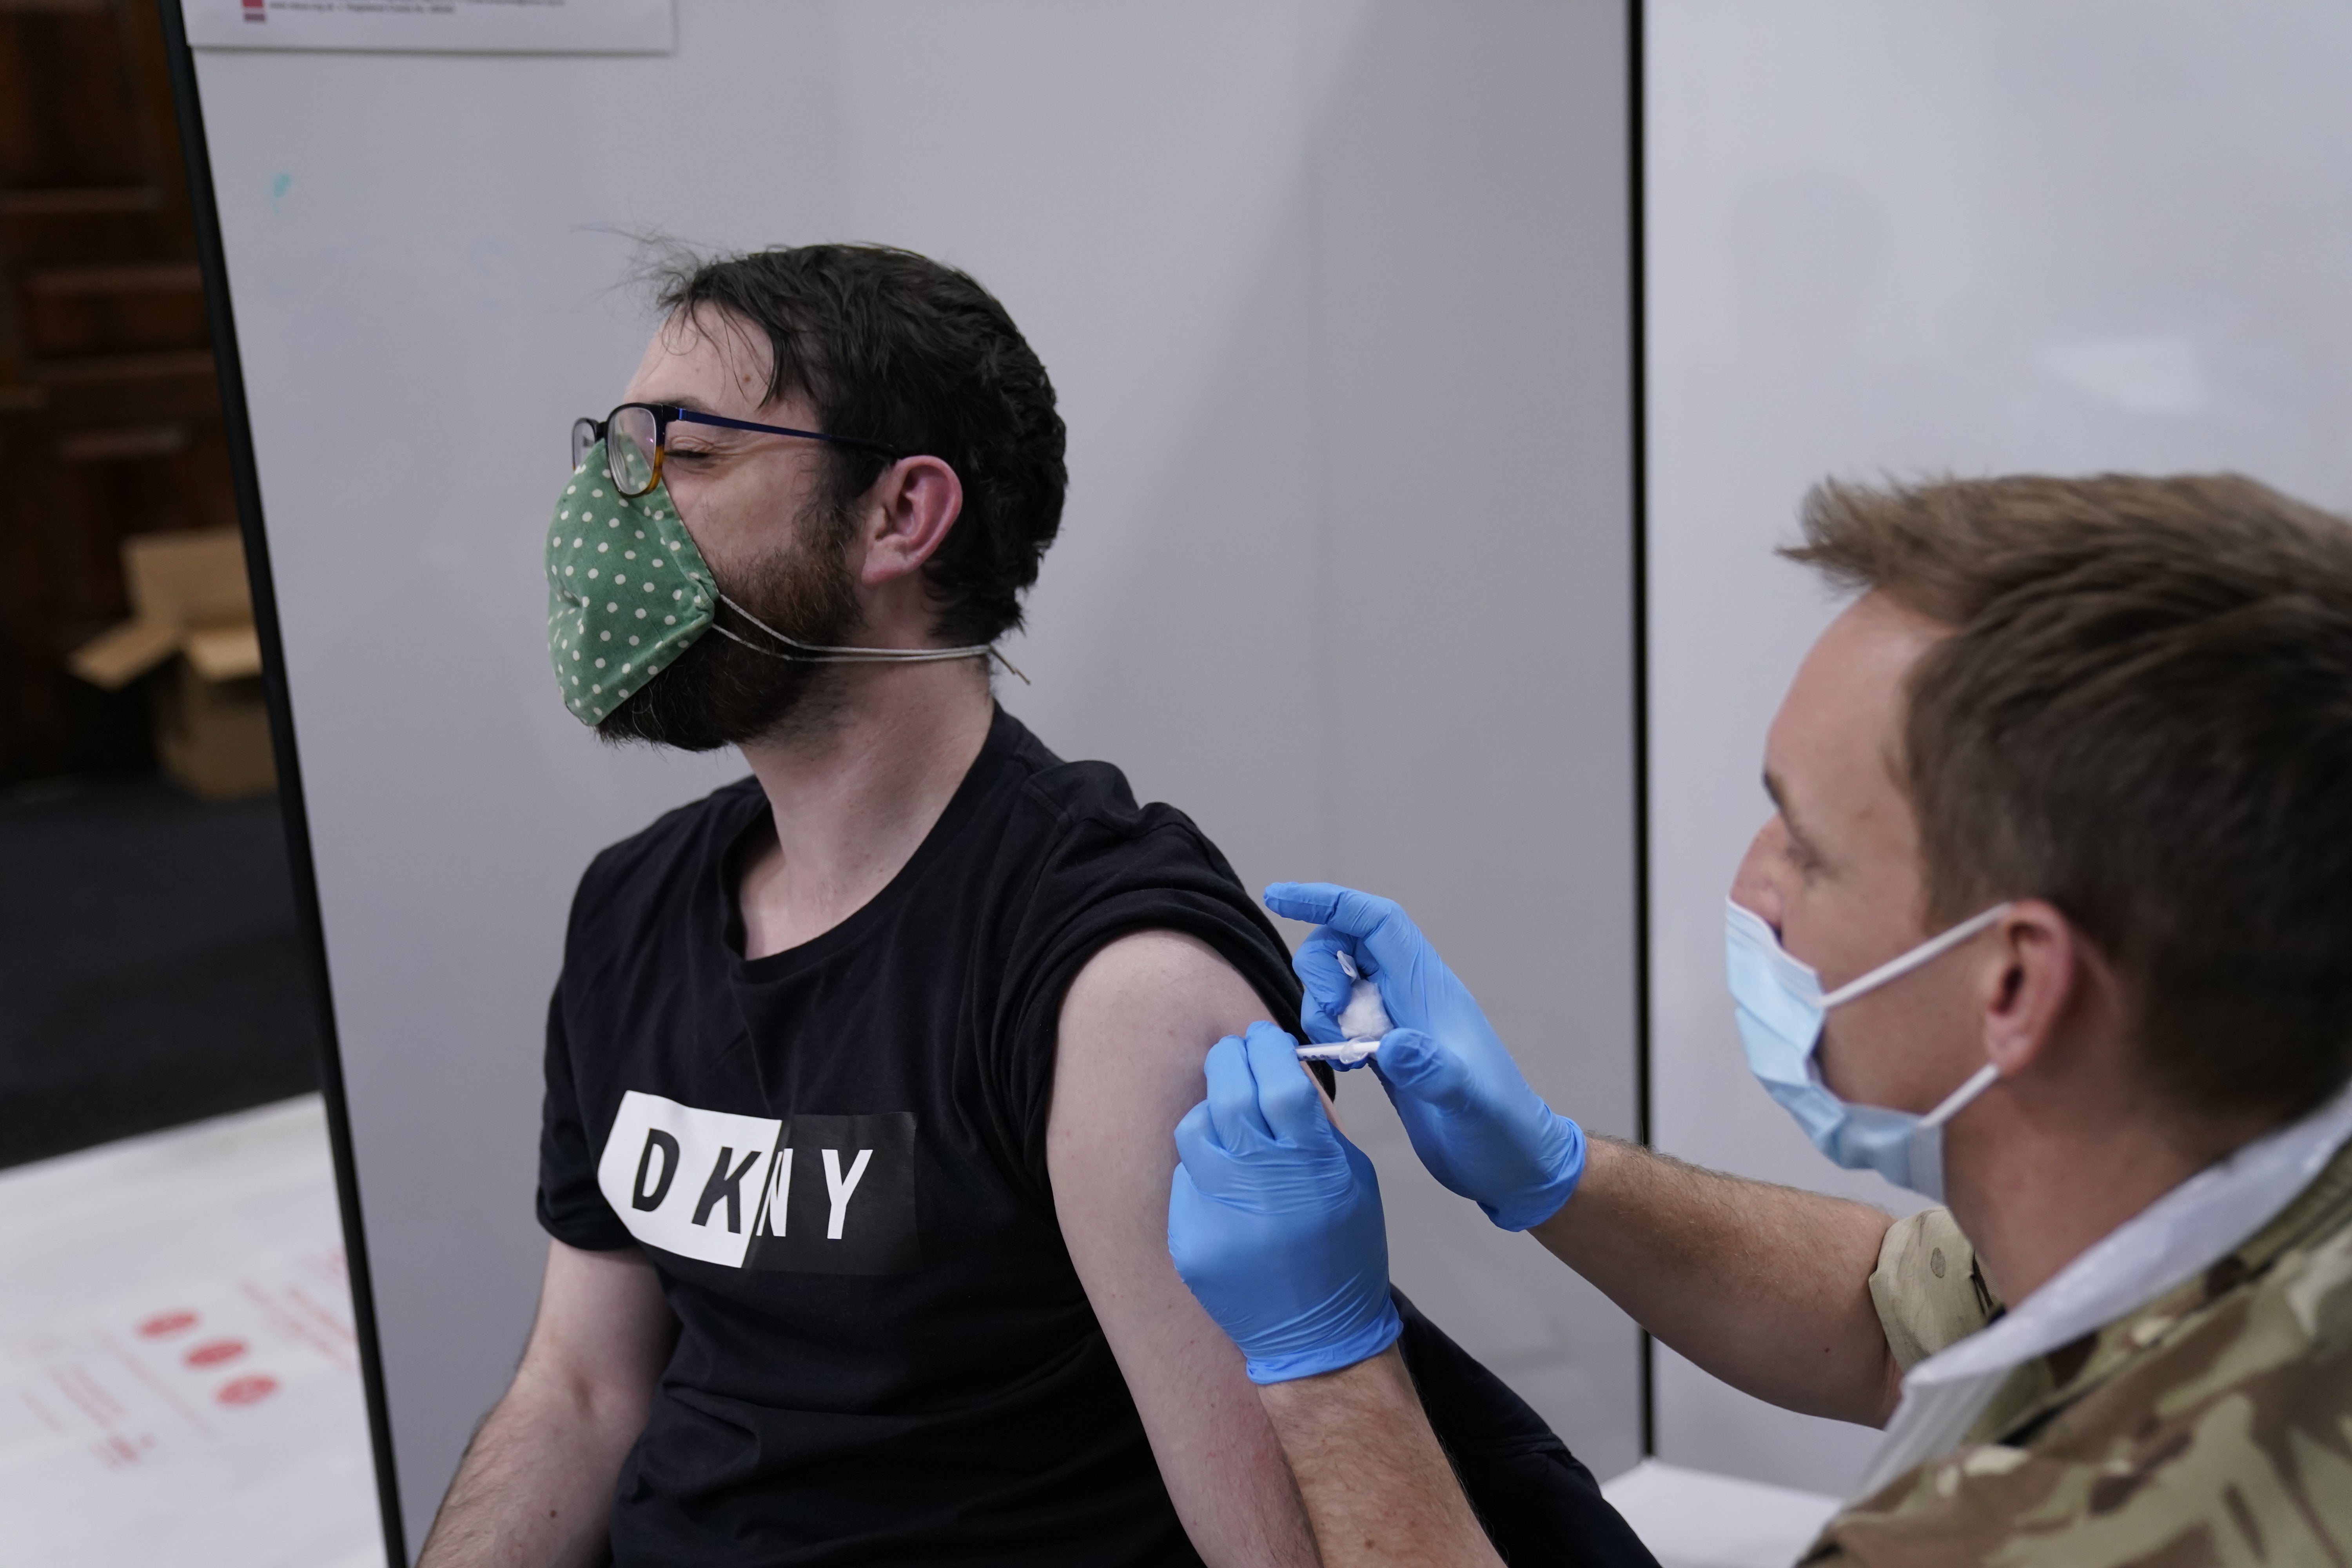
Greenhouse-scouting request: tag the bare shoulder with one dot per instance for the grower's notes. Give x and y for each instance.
(1135, 1026)
(1156, 983)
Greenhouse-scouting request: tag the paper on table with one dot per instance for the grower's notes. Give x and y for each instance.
(213, 1417)
(178, 1375)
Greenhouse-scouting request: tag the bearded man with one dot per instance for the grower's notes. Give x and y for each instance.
(861, 1072)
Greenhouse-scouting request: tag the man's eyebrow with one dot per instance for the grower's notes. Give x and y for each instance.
(1779, 798)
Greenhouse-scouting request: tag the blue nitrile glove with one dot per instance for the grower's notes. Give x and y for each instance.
(1472, 1119)
(1274, 1218)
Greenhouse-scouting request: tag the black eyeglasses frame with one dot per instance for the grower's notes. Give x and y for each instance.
(587, 432)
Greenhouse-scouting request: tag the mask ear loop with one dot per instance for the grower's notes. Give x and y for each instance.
(820, 653)
(1957, 1101)
(1926, 952)
(1922, 1150)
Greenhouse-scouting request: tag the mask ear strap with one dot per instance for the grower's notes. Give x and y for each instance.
(821, 652)
(1957, 1101)
(859, 656)
(1926, 952)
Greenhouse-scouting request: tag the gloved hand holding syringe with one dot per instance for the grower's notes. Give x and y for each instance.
(1363, 1023)
(1274, 1217)
(1378, 995)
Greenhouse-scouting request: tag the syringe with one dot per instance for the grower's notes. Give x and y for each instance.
(1363, 1021)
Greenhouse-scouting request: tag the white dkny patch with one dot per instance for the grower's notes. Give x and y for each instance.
(716, 1187)
(689, 1181)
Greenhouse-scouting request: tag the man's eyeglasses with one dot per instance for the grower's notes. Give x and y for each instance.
(636, 434)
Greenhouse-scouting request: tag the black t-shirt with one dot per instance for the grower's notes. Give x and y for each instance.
(836, 1158)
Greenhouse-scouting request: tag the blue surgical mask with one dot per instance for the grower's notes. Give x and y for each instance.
(1781, 1009)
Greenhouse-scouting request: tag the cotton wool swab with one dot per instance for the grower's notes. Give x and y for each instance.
(1363, 1021)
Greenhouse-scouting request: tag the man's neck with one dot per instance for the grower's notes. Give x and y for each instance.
(2038, 1191)
(854, 793)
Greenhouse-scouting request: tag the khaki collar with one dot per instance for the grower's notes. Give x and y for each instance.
(2041, 1388)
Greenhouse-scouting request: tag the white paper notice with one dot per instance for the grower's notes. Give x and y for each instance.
(214, 1416)
(179, 1377)
(443, 26)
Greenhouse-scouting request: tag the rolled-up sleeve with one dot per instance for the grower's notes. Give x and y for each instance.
(1927, 1288)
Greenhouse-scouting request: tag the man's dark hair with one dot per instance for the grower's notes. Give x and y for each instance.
(894, 347)
(2145, 716)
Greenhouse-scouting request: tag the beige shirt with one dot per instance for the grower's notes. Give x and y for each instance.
(1928, 1289)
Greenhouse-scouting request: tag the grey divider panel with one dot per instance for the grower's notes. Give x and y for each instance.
(1979, 237)
(1334, 294)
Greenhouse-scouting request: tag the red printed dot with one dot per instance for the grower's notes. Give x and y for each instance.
(216, 1351)
(247, 1390)
(163, 1323)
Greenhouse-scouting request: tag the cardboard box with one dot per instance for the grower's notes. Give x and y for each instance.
(190, 606)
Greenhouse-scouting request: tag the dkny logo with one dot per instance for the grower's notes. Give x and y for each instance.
(850, 1211)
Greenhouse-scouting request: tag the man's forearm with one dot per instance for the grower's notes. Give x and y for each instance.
(1377, 1489)
(1767, 1287)
(535, 1488)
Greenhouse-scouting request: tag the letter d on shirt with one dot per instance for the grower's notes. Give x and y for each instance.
(653, 1139)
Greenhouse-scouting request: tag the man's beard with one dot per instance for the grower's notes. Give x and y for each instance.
(720, 692)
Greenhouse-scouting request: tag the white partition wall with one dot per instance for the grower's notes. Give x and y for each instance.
(1974, 237)
(1336, 297)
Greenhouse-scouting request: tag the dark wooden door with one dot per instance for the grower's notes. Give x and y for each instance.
(110, 417)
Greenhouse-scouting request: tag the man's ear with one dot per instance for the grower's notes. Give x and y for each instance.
(2039, 975)
(908, 514)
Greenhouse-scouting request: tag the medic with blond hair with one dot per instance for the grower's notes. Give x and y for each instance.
(2052, 924)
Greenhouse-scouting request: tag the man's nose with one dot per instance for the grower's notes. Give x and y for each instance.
(1756, 886)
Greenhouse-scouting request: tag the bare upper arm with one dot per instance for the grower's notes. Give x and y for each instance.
(604, 1331)
(1135, 1026)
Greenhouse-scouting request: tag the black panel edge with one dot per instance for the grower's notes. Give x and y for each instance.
(1638, 394)
(238, 426)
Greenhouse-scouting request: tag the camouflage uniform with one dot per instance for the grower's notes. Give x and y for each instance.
(2212, 1426)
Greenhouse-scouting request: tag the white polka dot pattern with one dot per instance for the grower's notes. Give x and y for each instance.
(578, 617)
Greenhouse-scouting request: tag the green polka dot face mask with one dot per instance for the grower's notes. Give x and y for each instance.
(626, 590)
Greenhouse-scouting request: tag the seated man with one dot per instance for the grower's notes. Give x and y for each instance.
(2052, 925)
(860, 1072)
